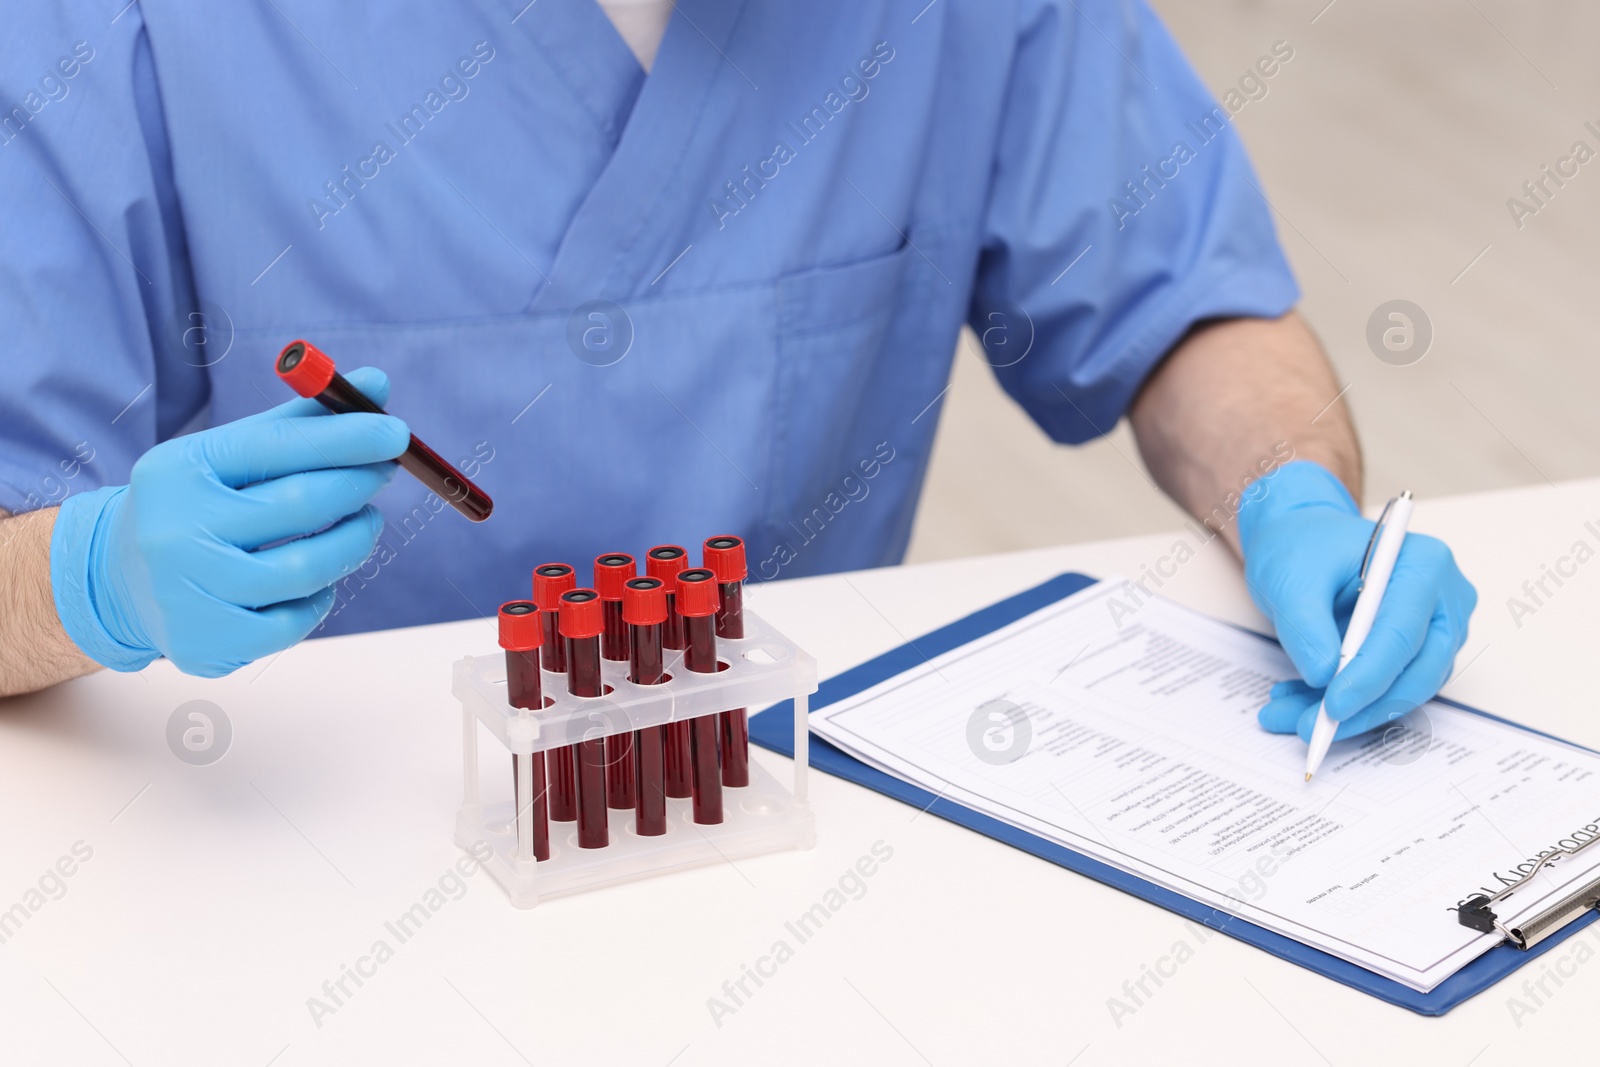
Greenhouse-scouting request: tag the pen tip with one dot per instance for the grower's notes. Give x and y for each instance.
(1308, 776)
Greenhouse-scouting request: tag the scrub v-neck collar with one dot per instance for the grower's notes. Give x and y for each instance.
(649, 121)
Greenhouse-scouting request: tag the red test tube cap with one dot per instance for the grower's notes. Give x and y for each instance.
(582, 614)
(697, 593)
(305, 368)
(519, 626)
(610, 571)
(666, 562)
(724, 557)
(644, 601)
(550, 580)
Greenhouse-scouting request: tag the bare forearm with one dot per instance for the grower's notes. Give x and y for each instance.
(1235, 400)
(35, 651)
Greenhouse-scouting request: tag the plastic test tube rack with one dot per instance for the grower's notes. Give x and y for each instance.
(761, 668)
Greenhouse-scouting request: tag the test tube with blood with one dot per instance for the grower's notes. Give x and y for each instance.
(582, 622)
(308, 371)
(610, 572)
(520, 636)
(644, 609)
(724, 557)
(666, 562)
(697, 603)
(549, 581)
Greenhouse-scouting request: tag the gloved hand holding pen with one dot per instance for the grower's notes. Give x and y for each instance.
(225, 545)
(1303, 539)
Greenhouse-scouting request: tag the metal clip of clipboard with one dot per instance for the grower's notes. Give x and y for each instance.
(1477, 914)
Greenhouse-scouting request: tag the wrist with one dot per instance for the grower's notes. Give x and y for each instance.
(1297, 486)
(87, 586)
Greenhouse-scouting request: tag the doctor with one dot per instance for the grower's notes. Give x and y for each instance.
(645, 273)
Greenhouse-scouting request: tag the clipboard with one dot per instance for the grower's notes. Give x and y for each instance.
(773, 728)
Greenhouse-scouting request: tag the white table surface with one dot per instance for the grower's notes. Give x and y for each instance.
(219, 898)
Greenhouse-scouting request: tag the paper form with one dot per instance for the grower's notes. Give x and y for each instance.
(1130, 735)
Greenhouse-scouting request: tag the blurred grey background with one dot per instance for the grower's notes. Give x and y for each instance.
(1388, 146)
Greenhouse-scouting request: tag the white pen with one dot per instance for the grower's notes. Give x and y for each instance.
(1382, 551)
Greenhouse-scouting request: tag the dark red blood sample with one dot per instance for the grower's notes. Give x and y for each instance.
(589, 771)
(644, 609)
(550, 580)
(724, 557)
(667, 562)
(650, 807)
(620, 792)
(680, 773)
(309, 372)
(611, 571)
(582, 621)
(563, 788)
(521, 637)
(697, 603)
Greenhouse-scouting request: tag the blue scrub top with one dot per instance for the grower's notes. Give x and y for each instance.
(720, 298)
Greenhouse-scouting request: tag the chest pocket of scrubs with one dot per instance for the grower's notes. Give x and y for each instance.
(835, 378)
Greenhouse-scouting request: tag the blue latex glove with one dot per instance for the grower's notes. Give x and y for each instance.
(173, 563)
(1303, 539)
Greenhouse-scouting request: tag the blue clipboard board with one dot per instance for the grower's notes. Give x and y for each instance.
(773, 728)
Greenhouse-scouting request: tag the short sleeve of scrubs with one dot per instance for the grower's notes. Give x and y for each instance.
(103, 342)
(1123, 210)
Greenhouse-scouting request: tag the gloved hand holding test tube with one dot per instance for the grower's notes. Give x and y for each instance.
(308, 371)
